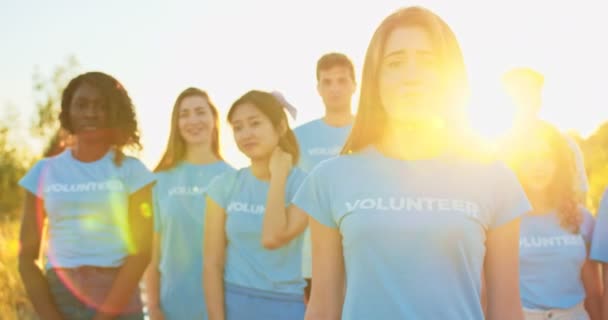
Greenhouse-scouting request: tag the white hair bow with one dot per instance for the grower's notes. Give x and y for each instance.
(288, 106)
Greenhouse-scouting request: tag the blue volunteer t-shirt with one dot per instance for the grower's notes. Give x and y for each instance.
(550, 261)
(318, 141)
(248, 263)
(599, 244)
(413, 232)
(87, 207)
(179, 215)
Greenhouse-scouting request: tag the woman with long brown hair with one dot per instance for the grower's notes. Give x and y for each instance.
(557, 277)
(191, 160)
(407, 220)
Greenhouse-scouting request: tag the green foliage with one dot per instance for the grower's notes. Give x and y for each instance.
(14, 161)
(14, 303)
(16, 156)
(48, 91)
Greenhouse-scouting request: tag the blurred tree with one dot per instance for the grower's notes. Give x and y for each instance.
(13, 161)
(47, 92)
(17, 156)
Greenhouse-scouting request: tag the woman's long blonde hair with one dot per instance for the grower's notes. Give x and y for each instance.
(371, 117)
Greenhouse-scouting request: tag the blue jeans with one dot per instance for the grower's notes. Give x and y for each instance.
(78, 292)
(252, 304)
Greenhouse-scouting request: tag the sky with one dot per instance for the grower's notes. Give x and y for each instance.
(227, 47)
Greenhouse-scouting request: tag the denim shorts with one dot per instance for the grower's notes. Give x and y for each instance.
(253, 304)
(78, 292)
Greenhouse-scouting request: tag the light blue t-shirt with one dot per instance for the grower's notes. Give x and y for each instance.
(599, 244)
(318, 141)
(87, 207)
(550, 261)
(413, 232)
(248, 263)
(179, 215)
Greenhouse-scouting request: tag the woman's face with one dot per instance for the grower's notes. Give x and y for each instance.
(409, 76)
(88, 113)
(195, 120)
(538, 166)
(254, 134)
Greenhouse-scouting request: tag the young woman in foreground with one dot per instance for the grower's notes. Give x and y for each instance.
(405, 222)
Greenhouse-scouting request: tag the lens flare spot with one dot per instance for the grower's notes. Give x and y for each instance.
(145, 209)
(12, 248)
(89, 224)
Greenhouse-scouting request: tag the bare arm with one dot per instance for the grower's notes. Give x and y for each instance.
(33, 279)
(501, 269)
(214, 253)
(140, 252)
(605, 295)
(327, 295)
(153, 281)
(593, 289)
(484, 302)
(280, 224)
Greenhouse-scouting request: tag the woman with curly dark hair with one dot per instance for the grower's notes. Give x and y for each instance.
(557, 278)
(98, 204)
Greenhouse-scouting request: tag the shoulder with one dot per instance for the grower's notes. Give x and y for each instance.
(339, 166)
(492, 176)
(38, 169)
(44, 163)
(163, 175)
(131, 161)
(307, 127)
(132, 166)
(223, 167)
(229, 177)
(57, 161)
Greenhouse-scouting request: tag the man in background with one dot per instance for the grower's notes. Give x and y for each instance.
(323, 138)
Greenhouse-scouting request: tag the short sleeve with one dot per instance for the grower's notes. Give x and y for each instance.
(509, 198)
(296, 178)
(587, 226)
(219, 188)
(137, 175)
(32, 181)
(314, 199)
(599, 242)
(156, 193)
